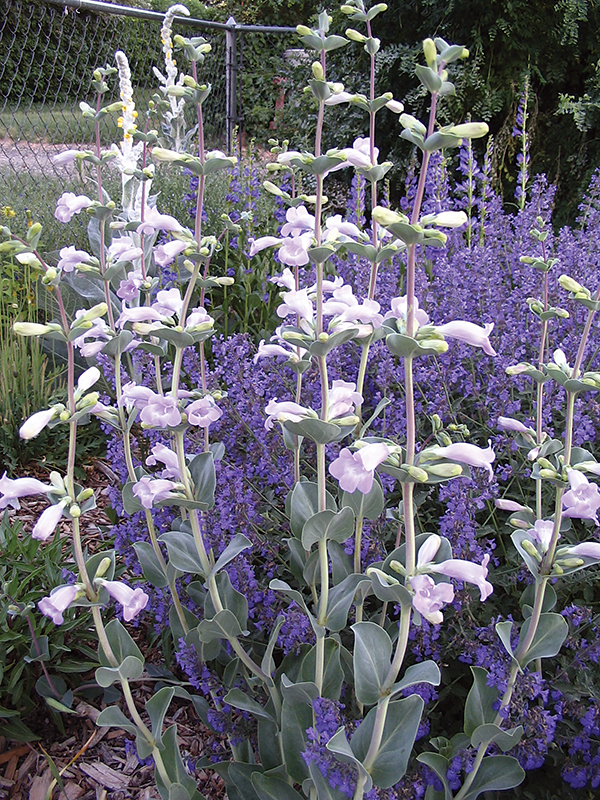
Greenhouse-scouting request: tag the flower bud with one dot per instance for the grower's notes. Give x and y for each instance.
(302, 30)
(397, 567)
(571, 563)
(317, 71)
(416, 472)
(75, 511)
(383, 576)
(519, 524)
(64, 415)
(103, 568)
(84, 495)
(548, 473)
(92, 313)
(430, 51)
(530, 548)
(445, 470)
(189, 81)
(355, 36)
(470, 130)
(569, 284)
(558, 569)
(31, 329)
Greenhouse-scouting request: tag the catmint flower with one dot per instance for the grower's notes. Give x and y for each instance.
(469, 333)
(542, 533)
(160, 412)
(58, 601)
(431, 597)
(36, 423)
(70, 204)
(203, 412)
(70, 258)
(469, 454)
(166, 253)
(46, 524)
(132, 600)
(149, 491)
(582, 501)
(12, 489)
(155, 221)
(356, 471)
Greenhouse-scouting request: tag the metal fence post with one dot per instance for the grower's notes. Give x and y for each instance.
(231, 64)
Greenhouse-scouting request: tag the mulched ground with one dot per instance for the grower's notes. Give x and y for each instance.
(93, 762)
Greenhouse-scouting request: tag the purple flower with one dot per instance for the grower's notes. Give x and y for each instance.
(132, 600)
(586, 549)
(356, 470)
(46, 524)
(160, 412)
(166, 457)
(70, 258)
(124, 248)
(58, 601)
(342, 399)
(204, 411)
(582, 501)
(129, 287)
(431, 597)
(286, 410)
(12, 489)
(469, 333)
(509, 424)
(69, 204)
(149, 491)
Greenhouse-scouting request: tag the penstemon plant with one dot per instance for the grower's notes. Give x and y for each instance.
(300, 740)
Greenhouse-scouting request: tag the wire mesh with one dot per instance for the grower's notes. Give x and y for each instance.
(48, 53)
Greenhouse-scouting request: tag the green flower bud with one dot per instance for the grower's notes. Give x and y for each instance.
(430, 51)
(31, 329)
(84, 495)
(356, 36)
(75, 511)
(571, 563)
(569, 284)
(445, 470)
(558, 569)
(189, 81)
(64, 415)
(416, 472)
(548, 473)
(317, 71)
(384, 577)
(397, 567)
(530, 548)
(103, 568)
(302, 30)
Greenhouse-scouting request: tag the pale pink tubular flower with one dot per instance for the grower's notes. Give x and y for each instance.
(132, 394)
(46, 524)
(509, 424)
(582, 501)
(356, 471)
(343, 399)
(123, 248)
(129, 286)
(509, 505)
(469, 454)
(298, 221)
(466, 571)
(294, 251)
(399, 310)
(65, 157)
(585, 550)
(12, 489)
(70, 204)
(286, 280)
(132, 600)
(430, 597)
(57, 603)
(542, 533)
(166, 457)
(160, 412)
(166, 253)
(168, 302)
(203, 412)
(149, 491)
(155, 221)
(70, 258)
(286, 410)
(469, 333)
(36, 423)
(297, 302)
(256, 245)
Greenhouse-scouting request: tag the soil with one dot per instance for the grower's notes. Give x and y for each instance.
(94, 763)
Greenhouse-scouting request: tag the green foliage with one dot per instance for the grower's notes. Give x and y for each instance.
(30, 569)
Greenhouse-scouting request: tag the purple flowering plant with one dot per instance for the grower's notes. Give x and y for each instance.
(315, 652)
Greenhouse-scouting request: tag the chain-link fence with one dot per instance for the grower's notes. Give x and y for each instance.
(49, 50)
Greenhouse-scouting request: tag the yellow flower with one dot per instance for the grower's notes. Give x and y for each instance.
(8, 212)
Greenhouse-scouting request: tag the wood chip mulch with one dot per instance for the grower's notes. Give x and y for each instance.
(93, 763)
